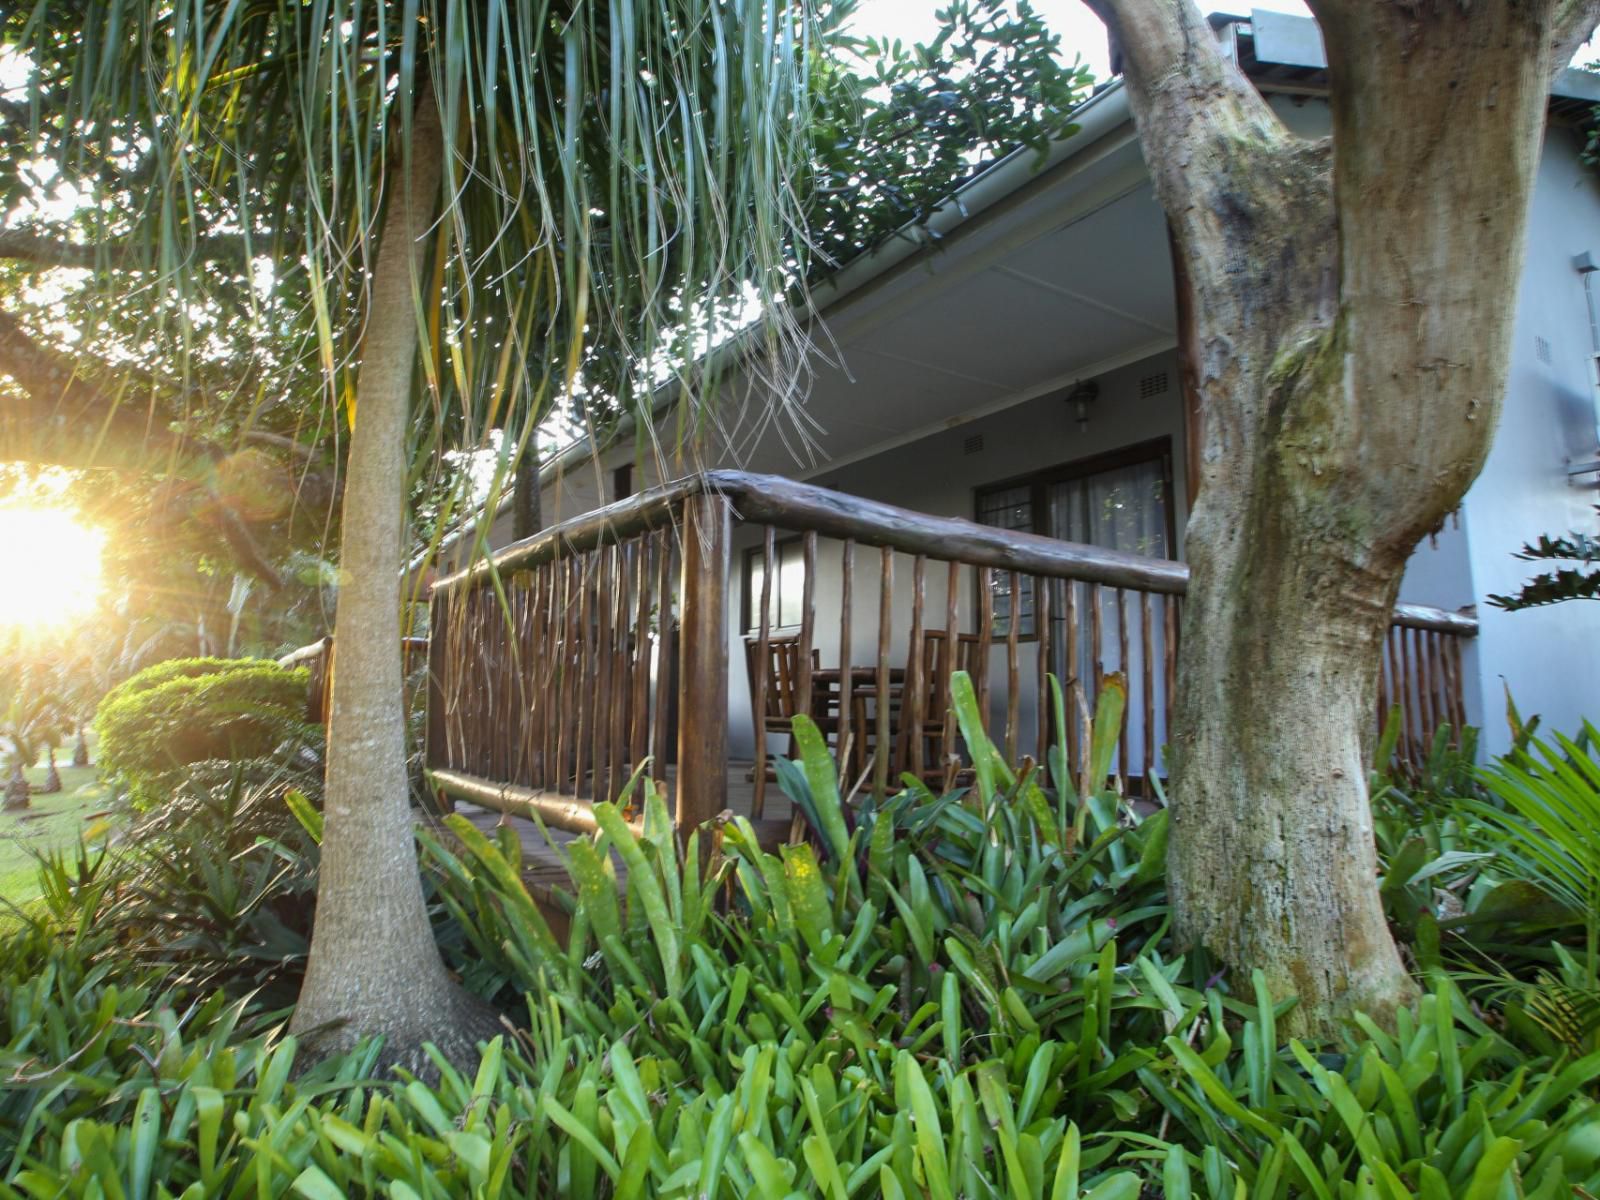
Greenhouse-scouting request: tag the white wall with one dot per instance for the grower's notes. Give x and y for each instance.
(938, 475)
(1549, 657)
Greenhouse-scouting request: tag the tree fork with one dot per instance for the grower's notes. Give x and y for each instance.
(1349, 335)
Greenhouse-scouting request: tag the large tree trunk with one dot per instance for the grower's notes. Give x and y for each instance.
(1349, 331)
(373, 966)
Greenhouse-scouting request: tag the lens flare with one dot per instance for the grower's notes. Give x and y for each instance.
(49, 568)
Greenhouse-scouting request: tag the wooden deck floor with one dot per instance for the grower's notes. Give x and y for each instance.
(542, 869)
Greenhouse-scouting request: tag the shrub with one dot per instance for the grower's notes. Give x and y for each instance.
(961, 995)
(191, 710)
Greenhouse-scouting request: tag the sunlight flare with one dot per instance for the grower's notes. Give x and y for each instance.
(52, 571)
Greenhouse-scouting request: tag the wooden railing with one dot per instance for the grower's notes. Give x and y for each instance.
(1422, 674)
(317, 658)
(564, 662)
(558, 666)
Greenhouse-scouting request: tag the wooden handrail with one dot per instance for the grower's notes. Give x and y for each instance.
(775, 500)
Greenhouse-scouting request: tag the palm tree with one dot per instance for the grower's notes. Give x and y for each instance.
(566, 200)
(32, 720)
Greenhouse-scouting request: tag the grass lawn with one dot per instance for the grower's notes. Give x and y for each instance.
(50, 822)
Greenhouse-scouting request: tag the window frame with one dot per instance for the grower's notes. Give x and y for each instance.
(749, 623)
(1038, 483)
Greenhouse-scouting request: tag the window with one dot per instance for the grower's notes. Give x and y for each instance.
(1122, 501)
(788, 586)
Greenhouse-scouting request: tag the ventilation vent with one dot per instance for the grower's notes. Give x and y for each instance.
(1541, 347)
(973, 445)
(1153, 385)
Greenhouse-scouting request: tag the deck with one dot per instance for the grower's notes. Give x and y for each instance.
(628, 637)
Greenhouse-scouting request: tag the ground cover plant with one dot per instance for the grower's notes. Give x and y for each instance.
(970, 994)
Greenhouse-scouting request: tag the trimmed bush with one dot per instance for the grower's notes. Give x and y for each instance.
(193, 709)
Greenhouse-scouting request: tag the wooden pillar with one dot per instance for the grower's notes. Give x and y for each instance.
(434, 752)
(703, 662)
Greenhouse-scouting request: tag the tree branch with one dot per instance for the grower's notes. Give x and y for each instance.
(1571, 24)
(1187, 98)
(102, 430)
(50, 248)
(65, 400)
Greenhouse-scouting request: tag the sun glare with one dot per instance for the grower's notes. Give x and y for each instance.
(52, 572)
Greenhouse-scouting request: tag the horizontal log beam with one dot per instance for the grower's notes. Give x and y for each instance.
(616, 522)
(306, 653)
(774, 500)
(788, 504)
(1439, 620)
(553, 808)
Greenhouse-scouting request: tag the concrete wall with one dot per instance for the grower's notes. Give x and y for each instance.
(1549, 657)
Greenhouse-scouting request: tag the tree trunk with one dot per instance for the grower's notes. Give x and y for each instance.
(80, 750)
(373, 965)
(17, 788)
(52, 779)
(526, 519)
(1349, 325)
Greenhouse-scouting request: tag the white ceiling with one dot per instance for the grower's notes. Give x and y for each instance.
(1070, 278)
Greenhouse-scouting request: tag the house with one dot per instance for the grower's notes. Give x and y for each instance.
(1015, 365)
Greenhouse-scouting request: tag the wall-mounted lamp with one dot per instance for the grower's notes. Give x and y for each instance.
(1079, 399)
(1586, 265)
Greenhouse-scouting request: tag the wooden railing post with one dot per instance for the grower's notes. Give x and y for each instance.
(434, 752)
(703, 663)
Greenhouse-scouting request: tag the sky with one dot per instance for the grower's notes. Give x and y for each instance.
(1080, 30)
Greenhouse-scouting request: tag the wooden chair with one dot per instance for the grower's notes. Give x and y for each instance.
(778, 696)
(924, 723)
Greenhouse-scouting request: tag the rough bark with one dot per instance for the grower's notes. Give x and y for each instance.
(1350, 318)
(80, 750)
(373, 967)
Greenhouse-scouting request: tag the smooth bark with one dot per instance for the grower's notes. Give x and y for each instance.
(1349, 318)
(374, 967)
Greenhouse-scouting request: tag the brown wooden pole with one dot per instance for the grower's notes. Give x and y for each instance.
(916, 686)
(1041, 625)
(703, 682)
(639, 739)
(882, 750)
(666, 656)
(435, 752)
(1070, 685)
(807, 620)
(952, 661)
(760, 681)
(1013, 670)
(846, 658)
(1127, 674)
(1147, 661)
(985, 638)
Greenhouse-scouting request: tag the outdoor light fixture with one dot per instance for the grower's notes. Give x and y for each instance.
(1081, 396)
(1586, 265)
